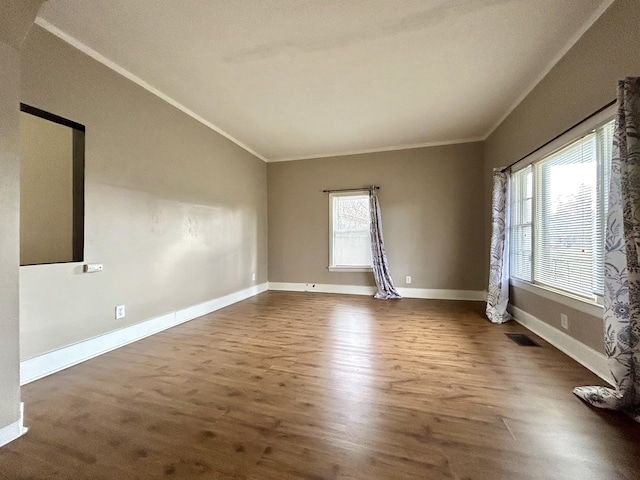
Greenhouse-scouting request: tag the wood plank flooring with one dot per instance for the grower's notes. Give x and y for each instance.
(313, 386)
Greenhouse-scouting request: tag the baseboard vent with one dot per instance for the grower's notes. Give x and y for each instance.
(522, 339)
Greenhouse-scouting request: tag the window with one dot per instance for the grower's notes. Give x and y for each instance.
(349, 238)
(521, 223)
(51, 188)
(558, 216)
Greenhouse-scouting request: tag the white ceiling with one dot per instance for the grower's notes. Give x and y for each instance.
(290, 79)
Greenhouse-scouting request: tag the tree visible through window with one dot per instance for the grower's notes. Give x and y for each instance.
(350, 242)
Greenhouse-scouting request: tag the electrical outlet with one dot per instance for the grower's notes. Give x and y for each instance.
(407, 279)
(253, 277)
(564, 321)
(92, 267)
(119, 312)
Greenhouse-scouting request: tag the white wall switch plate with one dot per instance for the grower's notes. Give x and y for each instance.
(119, 312)
(92, 267)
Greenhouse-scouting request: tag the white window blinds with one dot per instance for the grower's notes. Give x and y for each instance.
(521, 224)
(566, 213)
(558, 216)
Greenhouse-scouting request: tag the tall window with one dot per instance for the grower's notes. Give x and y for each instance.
(558, 216)
(349, 238)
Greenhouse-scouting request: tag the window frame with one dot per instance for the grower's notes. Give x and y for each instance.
(332, 266)
(588, 305)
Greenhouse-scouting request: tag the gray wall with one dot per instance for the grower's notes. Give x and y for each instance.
(175, 212)
(582, 81)
(16, 18)
(432, 213)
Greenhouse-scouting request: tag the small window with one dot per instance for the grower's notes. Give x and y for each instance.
(521, 223)
(349, 237)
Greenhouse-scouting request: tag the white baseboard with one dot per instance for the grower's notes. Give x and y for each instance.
(48, 363)
(435, 294)
(323, 288)
(13, 431)
(581, 353)
(440, 294)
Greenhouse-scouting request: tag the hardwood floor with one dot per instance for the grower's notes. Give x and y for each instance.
(313, 386)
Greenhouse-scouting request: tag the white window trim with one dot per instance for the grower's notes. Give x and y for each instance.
(343, 268)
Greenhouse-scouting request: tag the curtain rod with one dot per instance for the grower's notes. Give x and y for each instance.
(372, 187)
(560, 134)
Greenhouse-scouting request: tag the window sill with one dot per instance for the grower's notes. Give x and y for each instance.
(335, 268)
(572, 301)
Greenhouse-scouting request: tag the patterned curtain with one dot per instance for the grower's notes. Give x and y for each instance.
(498, 294)
(622, 262)
(381, 273)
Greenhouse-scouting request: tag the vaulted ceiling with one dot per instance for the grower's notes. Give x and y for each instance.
(290, 79)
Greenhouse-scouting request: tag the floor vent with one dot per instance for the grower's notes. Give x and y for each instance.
(522, 339)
